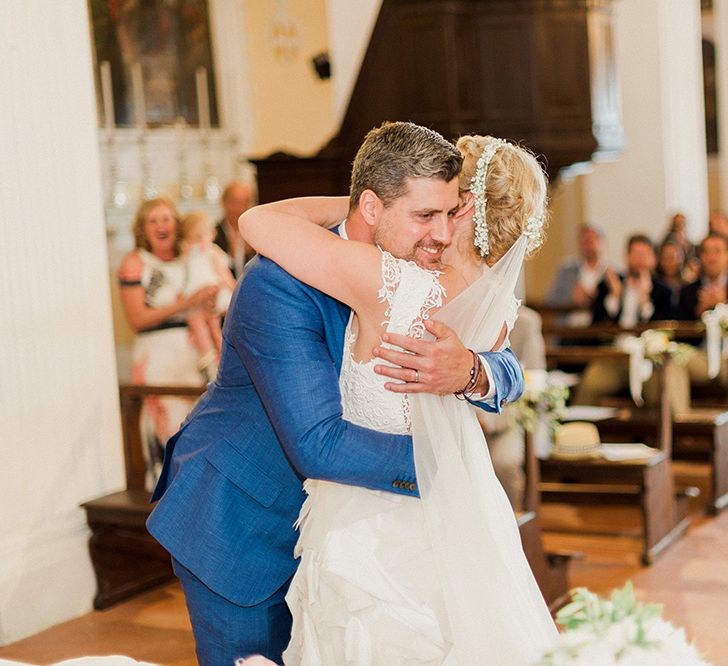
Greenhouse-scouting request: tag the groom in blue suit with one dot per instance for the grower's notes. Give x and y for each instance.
(231, 485)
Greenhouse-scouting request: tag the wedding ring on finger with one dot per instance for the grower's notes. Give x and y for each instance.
(417, 376)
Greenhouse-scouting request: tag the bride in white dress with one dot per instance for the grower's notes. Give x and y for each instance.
(387, 578)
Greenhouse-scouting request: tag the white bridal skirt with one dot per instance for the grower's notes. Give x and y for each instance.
(366, 592)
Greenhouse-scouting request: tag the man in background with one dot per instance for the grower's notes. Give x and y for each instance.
(576, 282)
(710, 289)
(237, 197)
(628, 299)
(637, 296)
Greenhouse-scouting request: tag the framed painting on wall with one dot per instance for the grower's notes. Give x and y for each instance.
(168, 41)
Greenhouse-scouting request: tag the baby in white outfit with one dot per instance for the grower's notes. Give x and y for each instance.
(207, 265)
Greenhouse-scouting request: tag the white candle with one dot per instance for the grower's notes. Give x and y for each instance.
(107, 95)
(203, 101)
(137, 93)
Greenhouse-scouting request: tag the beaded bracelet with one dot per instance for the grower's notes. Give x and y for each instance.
(475, 373)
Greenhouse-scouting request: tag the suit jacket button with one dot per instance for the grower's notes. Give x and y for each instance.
(503, 402)
(411, 486)
(396, 484)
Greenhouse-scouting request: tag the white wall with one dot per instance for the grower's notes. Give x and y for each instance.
(350, 28)
(664, 166)
(720, 24)
(60, 436)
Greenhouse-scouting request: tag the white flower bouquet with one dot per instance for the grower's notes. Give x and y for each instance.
(650, 349)
(544, 397)
(716, 330)
(658, 344)
(619, 631)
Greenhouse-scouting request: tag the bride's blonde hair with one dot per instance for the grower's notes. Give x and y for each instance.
(515, 190)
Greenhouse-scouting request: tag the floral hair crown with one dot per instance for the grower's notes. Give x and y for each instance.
(533, 227)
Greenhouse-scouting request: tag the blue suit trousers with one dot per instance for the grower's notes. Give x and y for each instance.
(225, 631)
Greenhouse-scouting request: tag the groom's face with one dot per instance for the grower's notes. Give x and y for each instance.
(418, 225)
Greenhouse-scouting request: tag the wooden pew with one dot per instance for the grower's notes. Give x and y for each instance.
(549, 568)
(126, 559)
(700, 434)
(647, 483)
(606, 332)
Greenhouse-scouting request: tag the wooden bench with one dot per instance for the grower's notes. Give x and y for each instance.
(126, 559)
(700, 434)
(550, 569)
(647, 483)
(606, 332)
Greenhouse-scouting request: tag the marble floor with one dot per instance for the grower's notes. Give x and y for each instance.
(690, 579)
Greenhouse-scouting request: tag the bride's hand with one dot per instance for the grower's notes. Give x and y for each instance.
(440, 366)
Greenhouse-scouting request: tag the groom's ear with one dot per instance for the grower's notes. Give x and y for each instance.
(467, 205)
(371, 207)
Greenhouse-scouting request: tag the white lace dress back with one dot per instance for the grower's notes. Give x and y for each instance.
(367, 591)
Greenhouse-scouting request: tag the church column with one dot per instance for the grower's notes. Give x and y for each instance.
(720, 23)
(60, 432)
(663, 168)
(350, 29)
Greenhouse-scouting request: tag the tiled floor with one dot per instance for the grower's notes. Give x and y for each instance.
(690, 579)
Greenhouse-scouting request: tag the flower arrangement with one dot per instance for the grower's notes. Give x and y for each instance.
(658, 344)
(544, 397)
(718, 314)
(716, 330)
(619, 631)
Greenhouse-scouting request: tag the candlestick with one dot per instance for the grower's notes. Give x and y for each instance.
(203, 101)
(137, 90)
(107, 95)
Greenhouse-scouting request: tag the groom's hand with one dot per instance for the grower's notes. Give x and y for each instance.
(439, 366)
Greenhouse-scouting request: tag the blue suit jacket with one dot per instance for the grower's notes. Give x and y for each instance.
(231, 486)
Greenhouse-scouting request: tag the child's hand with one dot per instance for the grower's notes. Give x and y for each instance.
(204, 297)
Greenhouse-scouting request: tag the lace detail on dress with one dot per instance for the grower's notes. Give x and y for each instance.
(411, 293)
(417, 291)
(364, 399)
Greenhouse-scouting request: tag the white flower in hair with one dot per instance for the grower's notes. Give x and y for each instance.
(477, 187)
(534, 231)
(534, 225)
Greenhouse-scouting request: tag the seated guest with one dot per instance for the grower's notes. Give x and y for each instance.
(506, 442)
(628, 300)
(718, 223)
(704, 294)
(636, 297)
(678, 234)
(710, 289)
(670, 262)
(237, 197)
(576, 282)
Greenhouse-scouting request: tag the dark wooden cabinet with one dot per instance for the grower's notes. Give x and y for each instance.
(541, 72)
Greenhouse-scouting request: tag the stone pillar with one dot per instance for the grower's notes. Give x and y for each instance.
(720, 23)
(60, 434)
(350, 28)
(663, 168)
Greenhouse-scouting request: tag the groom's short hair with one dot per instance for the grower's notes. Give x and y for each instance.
(396, 151)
